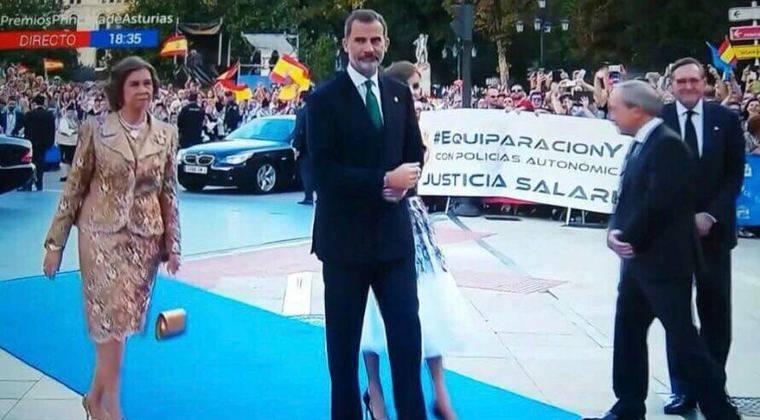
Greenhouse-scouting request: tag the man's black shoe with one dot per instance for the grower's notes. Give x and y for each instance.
(680, 405)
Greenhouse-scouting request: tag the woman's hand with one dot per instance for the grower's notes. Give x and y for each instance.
(51, 263)
(173, 264)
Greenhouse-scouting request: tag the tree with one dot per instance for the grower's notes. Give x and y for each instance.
(42, 9)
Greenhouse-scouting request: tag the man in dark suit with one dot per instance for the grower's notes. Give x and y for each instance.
(232, 115)
(190, 122)
(301, 149)
(714, 135)
(39, 128)
(12, 119)
(367, 150)
(652, 230)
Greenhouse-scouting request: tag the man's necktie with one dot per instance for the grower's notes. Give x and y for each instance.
(690, 134)
(373, 107)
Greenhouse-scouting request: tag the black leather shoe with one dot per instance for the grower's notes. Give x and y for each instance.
(680, 405)
(613, 416)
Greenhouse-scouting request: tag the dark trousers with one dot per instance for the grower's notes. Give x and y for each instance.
(67, 153)
(714, 309)
(38, 158)
(305, 168)
(395, 286)
(639, 301)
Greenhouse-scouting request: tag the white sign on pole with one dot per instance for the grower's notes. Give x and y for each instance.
(549, 159)
(737, 14)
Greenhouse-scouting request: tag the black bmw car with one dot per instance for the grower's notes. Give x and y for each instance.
(257, 157)
(16, 165)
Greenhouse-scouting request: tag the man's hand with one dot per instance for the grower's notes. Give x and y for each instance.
(704, 222)
(393, 196)
(623, 249)
(404, 177)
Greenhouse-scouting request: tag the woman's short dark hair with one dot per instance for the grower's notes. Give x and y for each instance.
(401, 71)
(119, 73)
(753, 125)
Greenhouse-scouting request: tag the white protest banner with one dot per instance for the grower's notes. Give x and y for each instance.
(548, 159)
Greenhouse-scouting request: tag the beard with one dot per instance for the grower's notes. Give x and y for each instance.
(368, 66)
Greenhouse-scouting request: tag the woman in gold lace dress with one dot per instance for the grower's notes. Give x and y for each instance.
(121, 194)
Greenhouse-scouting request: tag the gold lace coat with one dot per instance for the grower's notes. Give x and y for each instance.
(111, 188)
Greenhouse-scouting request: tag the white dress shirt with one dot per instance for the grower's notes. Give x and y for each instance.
(10, 122)
(643, 134)
(359, 80)
(697, 119)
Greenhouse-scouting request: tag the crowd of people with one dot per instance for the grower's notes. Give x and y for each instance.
(126, 208)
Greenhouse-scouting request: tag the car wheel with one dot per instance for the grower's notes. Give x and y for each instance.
(265, 178)
(193, 186)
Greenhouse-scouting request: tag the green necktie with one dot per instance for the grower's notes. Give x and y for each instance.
(372, 106)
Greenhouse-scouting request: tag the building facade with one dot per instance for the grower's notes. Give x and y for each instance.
(93, 15)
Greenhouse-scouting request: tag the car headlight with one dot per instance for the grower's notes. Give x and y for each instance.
(238, 158)
(181, 155)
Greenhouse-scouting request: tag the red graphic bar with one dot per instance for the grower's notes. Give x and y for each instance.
(34, 40)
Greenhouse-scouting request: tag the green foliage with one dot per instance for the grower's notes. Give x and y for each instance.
(33, 58)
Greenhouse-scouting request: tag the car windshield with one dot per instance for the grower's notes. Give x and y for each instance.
(278, 130)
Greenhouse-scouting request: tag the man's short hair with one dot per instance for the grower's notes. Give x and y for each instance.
(192, 97)
(686, 61)
(39, 100)
(364, 16)
(635, 93)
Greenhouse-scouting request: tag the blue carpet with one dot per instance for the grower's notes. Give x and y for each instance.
(234, 362)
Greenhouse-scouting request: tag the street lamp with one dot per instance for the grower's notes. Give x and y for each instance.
(543, 25)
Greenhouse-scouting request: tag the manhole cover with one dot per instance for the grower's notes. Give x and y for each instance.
(748, 406)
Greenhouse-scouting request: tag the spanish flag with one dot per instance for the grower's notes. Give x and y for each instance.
(288, 70)
(289, 92)
(175, 45)
(230, 72)
(52, 64)
(727, 53)
(242, 92)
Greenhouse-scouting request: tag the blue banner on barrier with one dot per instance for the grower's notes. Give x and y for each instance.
(748, 203)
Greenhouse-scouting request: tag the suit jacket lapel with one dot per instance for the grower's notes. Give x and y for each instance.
(388, 102)
(113, 137)
(356, 104)
(708, 122)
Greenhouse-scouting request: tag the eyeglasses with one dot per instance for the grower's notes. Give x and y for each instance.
(517, 90)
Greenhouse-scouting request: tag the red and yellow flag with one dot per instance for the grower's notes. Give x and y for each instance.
(288, 70)
(241, 92)
(175, 45)
(727, 53)
(52, 64)
(230, 72)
